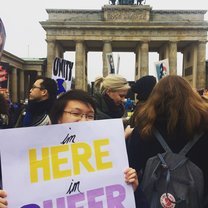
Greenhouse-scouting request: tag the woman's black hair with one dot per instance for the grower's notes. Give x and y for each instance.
(61, 102)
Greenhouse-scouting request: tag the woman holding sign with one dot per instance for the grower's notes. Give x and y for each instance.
(75, 106)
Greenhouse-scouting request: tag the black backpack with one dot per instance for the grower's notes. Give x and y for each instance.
(172, 180)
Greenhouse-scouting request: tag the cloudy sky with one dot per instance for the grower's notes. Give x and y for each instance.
(26, 37)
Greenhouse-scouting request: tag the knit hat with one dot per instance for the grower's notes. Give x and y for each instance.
(143, 87)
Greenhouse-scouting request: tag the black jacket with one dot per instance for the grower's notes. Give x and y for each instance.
(35, 114)
(140, 150)
(106, 108)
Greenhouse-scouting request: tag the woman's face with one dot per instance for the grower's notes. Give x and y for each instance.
(117, 96)
(76, 111)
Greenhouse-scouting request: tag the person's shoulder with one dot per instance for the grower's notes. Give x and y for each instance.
(41, 120)
(101, 115)
(97, 96)
(142, 140)
(135, 135)
(100, 102)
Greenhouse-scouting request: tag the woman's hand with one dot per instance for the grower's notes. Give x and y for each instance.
(3, 201)
(131, 177)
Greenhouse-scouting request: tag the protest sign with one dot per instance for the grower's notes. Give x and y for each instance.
(162, 68)
(4, 72)
(110, 61)
(118, 64)
(2, 37)
(62, 73)
(66, 166)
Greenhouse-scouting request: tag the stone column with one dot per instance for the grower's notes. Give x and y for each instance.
(22, 85)
(14, 85)
(193, 56)
(173, 58)
(136, 74)
(59, 51)
(51, 54)
(144, 59)
(190, 63)
(163, 52)
(201, 65)
(86, 71)
(107, 48)
(80, 66)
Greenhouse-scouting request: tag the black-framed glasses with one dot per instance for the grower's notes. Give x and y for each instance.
(33, 87)
(90, 116)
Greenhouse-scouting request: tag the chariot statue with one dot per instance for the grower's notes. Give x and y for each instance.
(127, 2)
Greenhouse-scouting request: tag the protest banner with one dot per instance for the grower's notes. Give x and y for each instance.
(118, 64)
(70, 165)
(4, 77)
(162, 68)
(110, 61)
(62, 73)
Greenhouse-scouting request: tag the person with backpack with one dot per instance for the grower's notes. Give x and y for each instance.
(169, 146)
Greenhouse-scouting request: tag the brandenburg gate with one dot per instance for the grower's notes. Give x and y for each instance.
(129, 28)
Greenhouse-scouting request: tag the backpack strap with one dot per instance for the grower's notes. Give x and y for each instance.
(161, 140)
(186, 148)
(190, 144)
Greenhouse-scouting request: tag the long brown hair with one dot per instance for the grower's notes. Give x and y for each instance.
(174, 99)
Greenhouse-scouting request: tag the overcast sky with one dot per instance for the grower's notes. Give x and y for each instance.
(26, 37)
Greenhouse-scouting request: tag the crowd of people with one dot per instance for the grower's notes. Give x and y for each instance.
(171, 106)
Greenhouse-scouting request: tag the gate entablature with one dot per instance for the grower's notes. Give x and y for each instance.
(135, 28)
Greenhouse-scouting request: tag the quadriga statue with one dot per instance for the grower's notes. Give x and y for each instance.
(126, 2)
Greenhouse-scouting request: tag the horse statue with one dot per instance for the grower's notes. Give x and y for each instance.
(126, 2)
(113, 2)
(140, 2)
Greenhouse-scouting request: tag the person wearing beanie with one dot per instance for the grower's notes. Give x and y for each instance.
(143, 87)
(110, 95)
